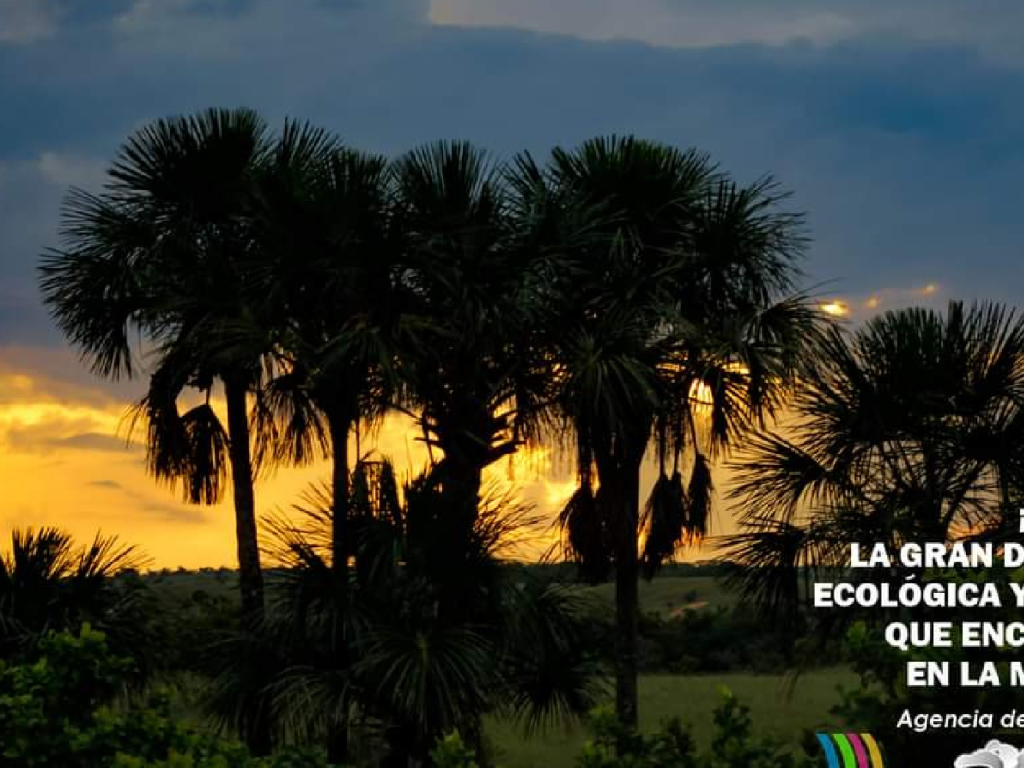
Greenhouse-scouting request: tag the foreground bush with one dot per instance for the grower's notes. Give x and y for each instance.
(61, 710)
(733, 745)
(615, 745)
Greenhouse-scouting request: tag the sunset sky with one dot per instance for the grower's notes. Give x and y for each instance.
(898, 124)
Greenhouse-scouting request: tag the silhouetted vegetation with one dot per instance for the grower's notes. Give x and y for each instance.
(623, 301)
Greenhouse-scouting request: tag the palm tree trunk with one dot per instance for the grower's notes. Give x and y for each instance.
(340, 426)
(460, 472)
(627, 600)
(250, 574)
(463, 466)
(256, 729)
(466, 479)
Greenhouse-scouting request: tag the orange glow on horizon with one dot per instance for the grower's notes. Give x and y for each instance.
(66, 463)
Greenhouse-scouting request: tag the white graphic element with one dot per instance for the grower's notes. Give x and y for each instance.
(996, 754)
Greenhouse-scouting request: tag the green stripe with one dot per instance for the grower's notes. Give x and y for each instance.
(846, 750)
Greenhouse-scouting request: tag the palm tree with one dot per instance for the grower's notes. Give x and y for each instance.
(327, 281)
(163, 251)
(418, 668)
(908, 428)
(678, 327)
(473, 284)
(47, 583)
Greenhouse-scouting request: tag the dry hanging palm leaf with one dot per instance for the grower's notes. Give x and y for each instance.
(699, 495)
(586, 540)
(666, 518)
(205, 468)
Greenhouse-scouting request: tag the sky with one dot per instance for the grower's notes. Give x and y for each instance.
(896, 124)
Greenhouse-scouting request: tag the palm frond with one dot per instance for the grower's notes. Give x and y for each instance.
(665, 521)
(545, 637)
(587, 536)
(95, 287)
(429, 680)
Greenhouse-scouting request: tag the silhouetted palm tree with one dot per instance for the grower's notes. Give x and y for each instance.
(163, 252)
(47, 583)
(473, 283)
(677, 328)
(909, 428)
(328, 281)
(419, 668)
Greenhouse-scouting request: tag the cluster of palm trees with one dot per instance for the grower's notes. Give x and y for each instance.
(621, 300)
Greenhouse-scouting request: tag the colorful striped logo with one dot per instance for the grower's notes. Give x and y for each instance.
(851, 750)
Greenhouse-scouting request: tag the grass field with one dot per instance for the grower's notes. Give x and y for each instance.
(777, 709)
(779, 706)
(668, 593)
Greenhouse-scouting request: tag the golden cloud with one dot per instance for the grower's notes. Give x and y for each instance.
(835, 308)
(899, 298)
(66, 462)
(882, 300)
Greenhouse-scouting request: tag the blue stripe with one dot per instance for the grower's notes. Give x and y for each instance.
(830, 750)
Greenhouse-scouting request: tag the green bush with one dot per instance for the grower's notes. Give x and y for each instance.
(452, 752)
(62, 710)
(616, 746)
(733, 746)
(713, 639)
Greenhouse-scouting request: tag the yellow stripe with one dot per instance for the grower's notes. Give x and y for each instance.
(873, 750)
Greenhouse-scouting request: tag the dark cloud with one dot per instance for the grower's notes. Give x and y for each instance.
(994, 28)
(899, 136)
(177, 513)
(57, 374)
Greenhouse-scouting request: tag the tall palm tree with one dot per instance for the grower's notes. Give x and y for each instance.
(474, 378)
(679, 328)
(908, 428)
(162, 252)
(327, 280)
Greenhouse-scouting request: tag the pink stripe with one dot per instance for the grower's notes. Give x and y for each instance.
(859, 748)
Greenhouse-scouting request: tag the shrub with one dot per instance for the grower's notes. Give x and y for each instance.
(614, 745)
(60, 710)
(733, 746)
(712, 640)
(452, 752)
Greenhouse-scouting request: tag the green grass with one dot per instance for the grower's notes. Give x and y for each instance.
(775, 710)
(667, 593)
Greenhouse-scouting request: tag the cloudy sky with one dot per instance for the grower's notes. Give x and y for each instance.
(898, 124)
